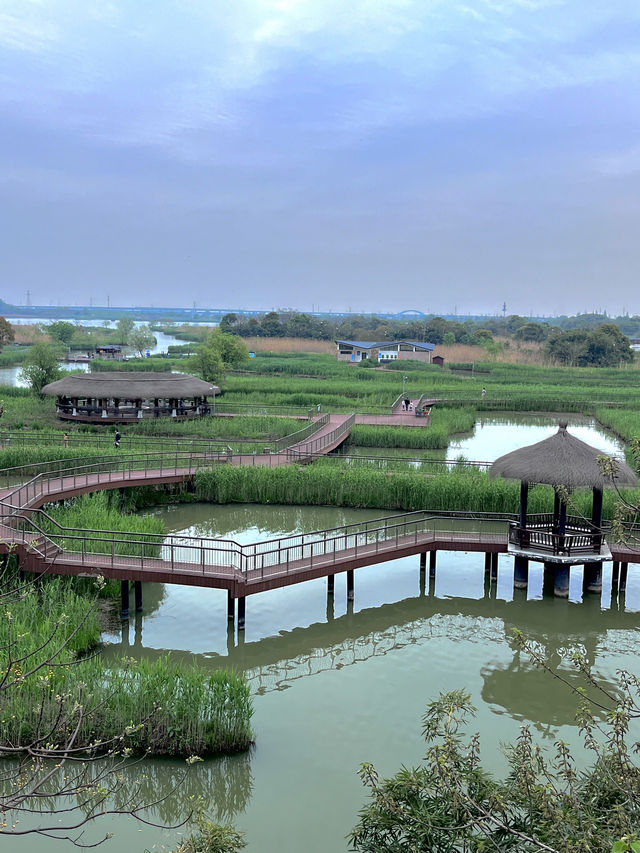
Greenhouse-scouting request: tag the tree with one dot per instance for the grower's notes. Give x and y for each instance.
(40, 366)
(141, 339)
(125, 326)
(219, 352)
(7, 335)
(450, 803)
(61, 331)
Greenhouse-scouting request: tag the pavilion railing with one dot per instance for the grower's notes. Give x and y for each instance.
(545, 539)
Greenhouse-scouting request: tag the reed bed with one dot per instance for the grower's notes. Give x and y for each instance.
(436, 436)
(327, 484)
(99, 512)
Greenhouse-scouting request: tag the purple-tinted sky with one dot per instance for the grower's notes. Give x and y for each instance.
(370, 154)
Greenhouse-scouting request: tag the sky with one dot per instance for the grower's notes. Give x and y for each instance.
(447, 156)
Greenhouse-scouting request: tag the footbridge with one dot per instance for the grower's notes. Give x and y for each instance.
(44, 546)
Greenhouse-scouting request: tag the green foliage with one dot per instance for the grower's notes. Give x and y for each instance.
(40, 366)
(219, 352)
(61, 331)
(605, 346)
(125, 326)
(212, 838)
(450, 803)
(140, 339)
(7, 334)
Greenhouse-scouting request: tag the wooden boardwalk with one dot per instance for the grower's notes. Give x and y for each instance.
(224, 564)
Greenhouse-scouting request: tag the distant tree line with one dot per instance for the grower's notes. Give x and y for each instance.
(594, 344)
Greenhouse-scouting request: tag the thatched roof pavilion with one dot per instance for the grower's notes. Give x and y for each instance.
(562, 460)
(120, 396)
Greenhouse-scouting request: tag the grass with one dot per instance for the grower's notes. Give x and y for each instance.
(325, 483)
(181, 711)
(100, 512)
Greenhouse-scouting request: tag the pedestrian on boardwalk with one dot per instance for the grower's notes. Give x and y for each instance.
(484, 391)
(116, 439)
(404, 406)
(65, 440)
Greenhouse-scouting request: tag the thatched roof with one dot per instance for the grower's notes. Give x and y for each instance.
(562, 460)
(130, 385)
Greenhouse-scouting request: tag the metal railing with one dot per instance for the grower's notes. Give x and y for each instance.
(296, 437)
(317, 446)
(103, 549)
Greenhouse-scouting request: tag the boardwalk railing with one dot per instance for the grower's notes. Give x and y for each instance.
(318, 446)
(99, 550)
(296, 437)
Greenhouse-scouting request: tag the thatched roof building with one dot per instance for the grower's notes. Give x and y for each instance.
(561, 460)
(119, 396)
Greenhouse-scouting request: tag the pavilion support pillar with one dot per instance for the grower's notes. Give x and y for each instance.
(592, 577)
(615, 574)
(433, 556)
(242, 601)
(231, 607)
(524, 499)
(124, 599)
(622, 585)
(596, 511)
(137, 587)
(520, 572)
(350, 585)
(494, 566)
(331, 583)
(487, 562)
(560, 581)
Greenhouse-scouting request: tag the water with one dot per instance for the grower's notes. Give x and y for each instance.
(494, 436)
(337, 685)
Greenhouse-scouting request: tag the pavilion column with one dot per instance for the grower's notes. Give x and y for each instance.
(524, 498)
(556, 510)
(596, 512)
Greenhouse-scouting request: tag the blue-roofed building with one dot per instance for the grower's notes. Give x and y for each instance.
(384, 351)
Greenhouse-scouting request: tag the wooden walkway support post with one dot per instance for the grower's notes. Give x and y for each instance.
(423, 562)
(487, 562)
(124, 599)
(615, 574)
(433, 556)
(494, 566)
(350, 585)
(231, 606)
(331, 581)
(137, 586)
(241, 612)
(622, 586)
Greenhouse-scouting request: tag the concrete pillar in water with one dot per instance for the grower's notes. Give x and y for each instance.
(124, 599)
(423, 562)
(561, 581)
(137, 586)
(592, 578)
(331, 580)
(433, 555)
(623, 576)
(520, 572)
(231, 606)
(487, 562)
(241, 612)
(350, 585)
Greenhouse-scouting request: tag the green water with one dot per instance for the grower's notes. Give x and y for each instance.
(338, 684)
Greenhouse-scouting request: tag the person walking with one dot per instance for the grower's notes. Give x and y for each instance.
(65, 440)
(116, 439)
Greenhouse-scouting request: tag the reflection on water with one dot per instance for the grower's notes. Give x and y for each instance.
(497, 435)
(336, 682)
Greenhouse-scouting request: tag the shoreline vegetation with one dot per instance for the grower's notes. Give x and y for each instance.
(183, 711)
